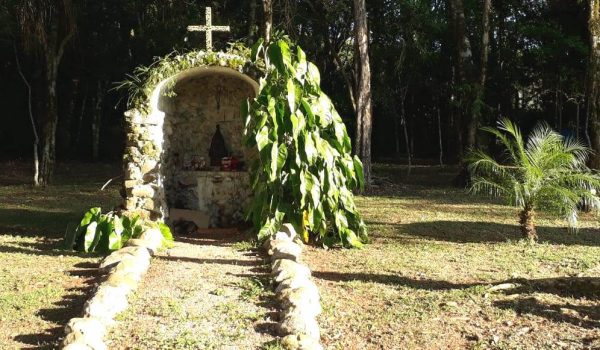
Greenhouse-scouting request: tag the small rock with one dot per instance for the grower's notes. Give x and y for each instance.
(286, 250)
(450, 304)
(503, 286)
(300, 324)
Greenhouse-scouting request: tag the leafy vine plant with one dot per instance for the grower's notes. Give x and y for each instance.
(304, 172)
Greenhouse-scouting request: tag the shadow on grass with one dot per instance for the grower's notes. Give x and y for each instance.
(27, 222)
(579, 315)
(70, 306)
(41, 249)
(572, 287)
(489, 232)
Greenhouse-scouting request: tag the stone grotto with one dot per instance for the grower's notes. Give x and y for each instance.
(184, 158)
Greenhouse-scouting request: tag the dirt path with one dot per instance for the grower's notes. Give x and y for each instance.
(205, 293)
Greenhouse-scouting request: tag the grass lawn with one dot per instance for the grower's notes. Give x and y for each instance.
(41, 286)
(427, 279)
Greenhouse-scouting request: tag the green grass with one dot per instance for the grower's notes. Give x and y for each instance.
(42, 286)
(424, 280)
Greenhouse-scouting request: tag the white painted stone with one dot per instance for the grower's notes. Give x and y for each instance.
(90, 328)
(77, 340)
(125, 280)
(288, 230)
(300, 342)
(295, 323)
(286, 250)
(149, 165)
(116, 257)
(136, 242)
(132, 172)
(153, 238)
(132, 264)
(143, 191)
(301, 301)
(106, 303)
(286, 264)
(293, 283)
(291, 271)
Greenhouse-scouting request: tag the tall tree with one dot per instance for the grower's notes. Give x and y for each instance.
(594, 83)
(463, 58)
(364, 119)
(45, 28)
(268, 19)
(476, 108)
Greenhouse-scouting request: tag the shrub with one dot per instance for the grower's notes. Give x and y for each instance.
(547, 172)
(304, 172)
(102, 233)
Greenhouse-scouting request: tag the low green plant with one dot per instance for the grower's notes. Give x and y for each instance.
(304, 172)
(102, 233)
(547, 172)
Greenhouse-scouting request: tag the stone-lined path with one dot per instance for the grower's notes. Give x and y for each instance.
(205, 293)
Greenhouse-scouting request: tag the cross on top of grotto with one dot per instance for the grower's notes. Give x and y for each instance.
(208, 28)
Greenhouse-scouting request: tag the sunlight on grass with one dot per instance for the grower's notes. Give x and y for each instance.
(436, 251)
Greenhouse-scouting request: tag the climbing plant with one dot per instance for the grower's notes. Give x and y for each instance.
(144, 79)
(304, 172)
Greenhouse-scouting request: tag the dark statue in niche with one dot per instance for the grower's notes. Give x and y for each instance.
(217, 150)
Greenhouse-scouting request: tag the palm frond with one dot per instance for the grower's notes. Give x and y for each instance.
(488, 186)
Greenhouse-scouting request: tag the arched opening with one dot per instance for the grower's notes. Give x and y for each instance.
(202, 170)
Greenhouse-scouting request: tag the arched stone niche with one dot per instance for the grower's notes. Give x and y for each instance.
(179, 127)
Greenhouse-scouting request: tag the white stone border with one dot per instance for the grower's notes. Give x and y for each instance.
(298, 295)
(122, 271)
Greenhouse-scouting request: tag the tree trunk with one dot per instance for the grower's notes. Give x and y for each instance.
(97, 121)
(594, 83)
(268, 19)
(462, 58)
(252, 21)
(480, 86)
(36, 138)
(439, 125)
(526, 219)
(49, 123)
(46, 28)
(363, 90)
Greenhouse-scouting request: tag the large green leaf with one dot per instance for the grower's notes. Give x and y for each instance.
(90, 236)
(262, 138)
(291, 94)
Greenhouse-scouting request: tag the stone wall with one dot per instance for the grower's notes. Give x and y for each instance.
(178, 126)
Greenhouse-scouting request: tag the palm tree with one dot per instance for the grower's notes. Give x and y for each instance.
(547, 172)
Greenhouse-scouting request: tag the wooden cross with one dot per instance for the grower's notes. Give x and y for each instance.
(208, 28)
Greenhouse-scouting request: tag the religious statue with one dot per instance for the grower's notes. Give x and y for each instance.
(217, 150)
